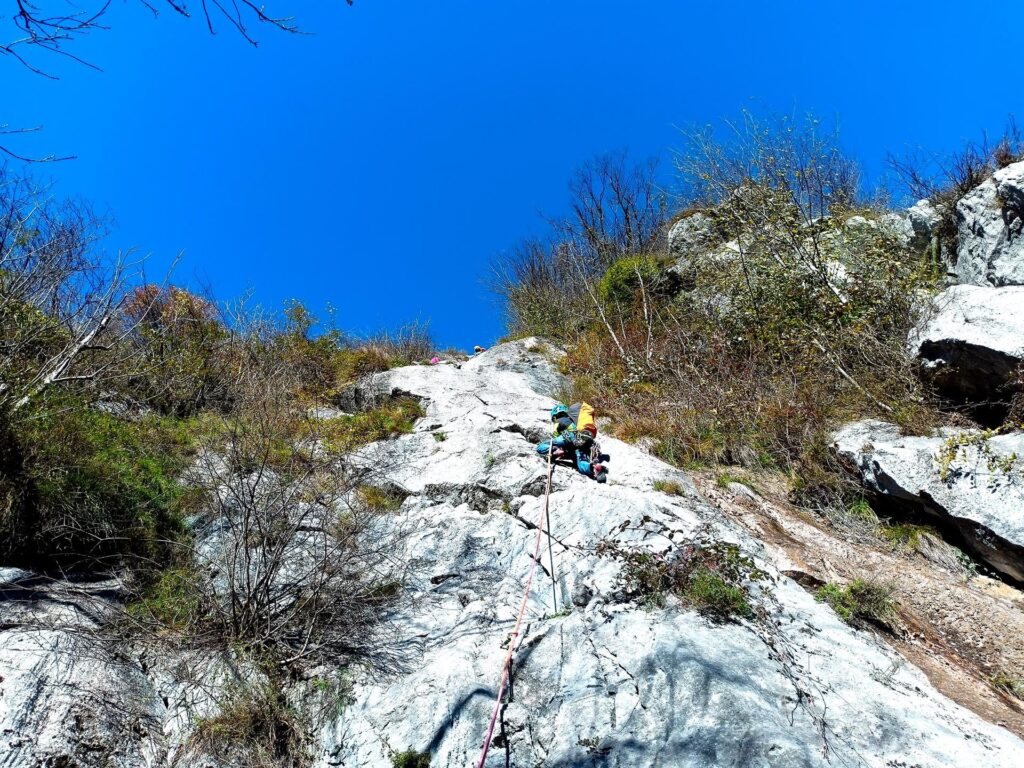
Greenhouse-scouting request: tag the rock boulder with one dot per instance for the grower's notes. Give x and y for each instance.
(990, 230)
(972, 344)
(974, 486)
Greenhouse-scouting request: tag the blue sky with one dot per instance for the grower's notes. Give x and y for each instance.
(379, 163)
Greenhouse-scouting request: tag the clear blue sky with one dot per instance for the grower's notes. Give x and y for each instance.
(379, 163)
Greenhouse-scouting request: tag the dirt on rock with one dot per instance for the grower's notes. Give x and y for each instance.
(962, 630)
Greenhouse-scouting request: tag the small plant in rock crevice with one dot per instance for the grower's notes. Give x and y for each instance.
(860, 602)
(381, 499)
(255, 727)
(714, 577)
(1007, 465)
(671, 487)
(410, 758)
(905, 535)
(1009, 684)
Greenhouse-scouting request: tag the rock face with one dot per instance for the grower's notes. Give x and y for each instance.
(72, 695)
(607, 682)
(601, 682)
(971, 346)
(693, 234)
(990, 230)
(981, 495)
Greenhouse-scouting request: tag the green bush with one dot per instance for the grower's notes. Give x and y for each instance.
(623, 279)
(102, 489)
(171, 601)
(411, 759)
(346, 433)
(713, 595)
(713, 577)
(904, 535)
(861, 601)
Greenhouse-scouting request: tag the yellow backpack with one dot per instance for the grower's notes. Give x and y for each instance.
(586, 420)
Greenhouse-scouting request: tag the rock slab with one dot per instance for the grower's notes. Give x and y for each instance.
(990, 230)
(975, 487)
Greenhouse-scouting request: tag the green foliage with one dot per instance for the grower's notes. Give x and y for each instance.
(861, 511)
(997, 464)
(671, 487)
(172, 600)
(753, 355)
(713, 595)
(411, 759)
(102, 487)
(355, 362)
(861, 601)
(381, 499)
(178, 341)
(904, 535)
(625, 278)
(439, 436)
(255, 727)
(346, 433)
(714, 577)
(1009, 684)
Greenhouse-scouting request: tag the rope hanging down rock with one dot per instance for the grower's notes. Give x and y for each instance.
(513, 640)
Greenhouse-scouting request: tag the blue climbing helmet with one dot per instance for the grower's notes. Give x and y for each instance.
(559, 410)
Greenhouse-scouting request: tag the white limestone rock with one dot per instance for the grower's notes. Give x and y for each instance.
(608, 683)
(981, 495)
(693, 234)
(971, 345)
(990, 230)
(601, 682)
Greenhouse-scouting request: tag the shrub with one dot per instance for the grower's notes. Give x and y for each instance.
(802, 326)
(172, 601)
(102, 489)
(904, 535)
(255, 727)
(411, 759)
(177, 342)
(860, 601)
(381, 499)
(346, 433)
(1009, 684)
(860, 510)
(713, 595)
(671, 487)
(626, 277)
(946, 179)
(713, 577)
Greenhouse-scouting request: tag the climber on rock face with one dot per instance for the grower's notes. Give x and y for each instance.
(574, 439)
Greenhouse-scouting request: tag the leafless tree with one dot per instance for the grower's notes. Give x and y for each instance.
(617, 207)
(287, 558)
(58, 298)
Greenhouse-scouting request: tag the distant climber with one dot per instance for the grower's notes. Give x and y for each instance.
(574, 439)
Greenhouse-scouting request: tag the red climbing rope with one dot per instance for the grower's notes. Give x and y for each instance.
(513, 640)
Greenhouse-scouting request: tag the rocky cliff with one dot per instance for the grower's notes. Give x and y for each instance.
(602, 681)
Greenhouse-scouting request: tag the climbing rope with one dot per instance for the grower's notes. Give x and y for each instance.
(513, 640)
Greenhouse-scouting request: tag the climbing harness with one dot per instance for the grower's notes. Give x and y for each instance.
(513, 639)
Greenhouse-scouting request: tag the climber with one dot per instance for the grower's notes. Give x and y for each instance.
(574, 439)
